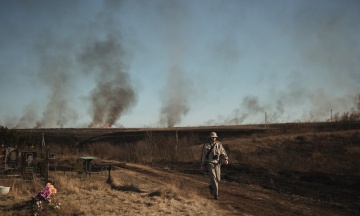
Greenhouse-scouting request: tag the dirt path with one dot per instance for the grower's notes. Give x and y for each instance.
(237, 198)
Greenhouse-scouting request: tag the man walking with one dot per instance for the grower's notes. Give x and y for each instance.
(213, 154)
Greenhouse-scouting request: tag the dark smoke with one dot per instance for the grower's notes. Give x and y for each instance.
(113, 93)
(326, 61)
(55, 73)
(250, 107)
(28, 119)
(175, 97)
(58, 62)
(175, 103)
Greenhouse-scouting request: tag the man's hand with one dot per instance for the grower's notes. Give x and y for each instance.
(226, 162)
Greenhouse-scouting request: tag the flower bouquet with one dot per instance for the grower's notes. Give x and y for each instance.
(47, 195)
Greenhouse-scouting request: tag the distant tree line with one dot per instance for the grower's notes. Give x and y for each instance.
(14, 138)
(346, 117)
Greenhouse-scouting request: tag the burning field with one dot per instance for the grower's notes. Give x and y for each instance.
(284, 169)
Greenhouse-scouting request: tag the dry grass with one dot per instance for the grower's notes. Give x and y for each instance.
(142, 190)
(130, 193)
(152, 148)
(327, 152)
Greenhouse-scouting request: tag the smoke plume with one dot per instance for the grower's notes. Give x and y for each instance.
(176, 93)
(55, 74)
(175, 101)
(113, 94)
(250, 107)
(324, 57)
(59, 59)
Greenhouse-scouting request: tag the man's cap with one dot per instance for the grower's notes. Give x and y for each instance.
(213, 134)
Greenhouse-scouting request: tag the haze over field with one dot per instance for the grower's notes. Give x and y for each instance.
(171, 63)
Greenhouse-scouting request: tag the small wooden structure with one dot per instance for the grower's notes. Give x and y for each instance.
(109, 167)
(87, 164)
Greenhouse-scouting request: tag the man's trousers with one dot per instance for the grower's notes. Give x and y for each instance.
(214, 174)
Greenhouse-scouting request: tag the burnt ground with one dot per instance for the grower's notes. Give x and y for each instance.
(338, 193)
(327, 193)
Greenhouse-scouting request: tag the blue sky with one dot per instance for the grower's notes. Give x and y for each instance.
(164, 63)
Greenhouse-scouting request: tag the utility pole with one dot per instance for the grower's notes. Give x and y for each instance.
(177, 140)
(330, 115)
(265, 120)
(43, 143)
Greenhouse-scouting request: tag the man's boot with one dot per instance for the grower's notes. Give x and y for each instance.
(211, 190)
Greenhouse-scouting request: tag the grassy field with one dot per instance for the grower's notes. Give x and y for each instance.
(284, 169)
